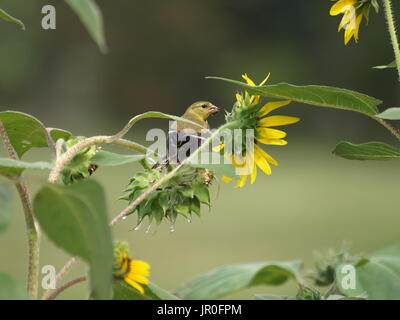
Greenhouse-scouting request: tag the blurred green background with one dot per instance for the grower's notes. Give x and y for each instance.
(159, 53)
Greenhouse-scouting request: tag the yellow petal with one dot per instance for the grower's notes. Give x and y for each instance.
(265, 80)
(226, 179)
(236, 160)
(135, 285)
(347, 19)
(270, 133)
(262, 164)
(357, 29)
(270, 106)
(139, 267)
(341, 6)
(139, 263)
(276, 142)
(124, 266)
(248, 80)
(251, 167)
(143, 272)
(265, 155)
(348, 34)
(122, 257)
(137, 278)
(218, 148)
(253, 174)
(255, 99)
(241, 182)
(274, 121)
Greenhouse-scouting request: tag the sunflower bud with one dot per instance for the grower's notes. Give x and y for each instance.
(325, 267)
(79, 167)
(181, 195)
(307, 293)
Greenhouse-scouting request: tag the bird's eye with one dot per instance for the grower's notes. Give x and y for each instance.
(204, 106)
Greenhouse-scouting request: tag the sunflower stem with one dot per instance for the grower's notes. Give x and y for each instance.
(32, 230)
(393, 130)
(64, 287)
(59, 275)
(65, 158)
(392, 31)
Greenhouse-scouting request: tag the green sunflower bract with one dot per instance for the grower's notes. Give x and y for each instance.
(181, 195)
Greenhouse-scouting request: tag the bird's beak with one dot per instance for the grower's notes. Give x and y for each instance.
(213, 109)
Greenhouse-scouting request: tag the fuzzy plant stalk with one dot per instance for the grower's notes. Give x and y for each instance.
(32, 230)
(392, 31)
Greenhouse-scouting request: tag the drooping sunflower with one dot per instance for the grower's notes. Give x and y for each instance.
(253, 116)
(353, 13)
(133, 272)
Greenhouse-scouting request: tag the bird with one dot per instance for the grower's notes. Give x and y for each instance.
(197, 112)
(183, 137)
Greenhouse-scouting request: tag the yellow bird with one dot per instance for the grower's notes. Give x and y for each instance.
(187, 134)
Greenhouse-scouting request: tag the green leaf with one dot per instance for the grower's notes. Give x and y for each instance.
(90, 15)
(187, 192)
(379, 278)
(214, 162)
(390, 114)
(59, 134)
(375, 4)
(5, 16)
(161, 115)
(157, 211)
(183, 208)
(14, 168)
(74, 218)
(26, 132)
(229, 279)
(152, 114)
(107, 159)
(160, 293)
(321, 96)
(5, 207)
(202, 193)
(366, 151)
(163, 201)
(272, 297)
(340, 297)
(10, 289)
(388, 66)
(123, 291)
(195, 206)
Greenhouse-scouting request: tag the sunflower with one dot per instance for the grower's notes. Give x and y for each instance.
(252, 116)
(133, 272)
(353, 13)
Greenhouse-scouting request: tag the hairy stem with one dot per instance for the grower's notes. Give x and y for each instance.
(392, 31)
(59, 275)
(66, 286)
(393, 130)
(65, 158)
(116, 139)
(132, 145)
(150, 114)
(72, 152)
(32, 230)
